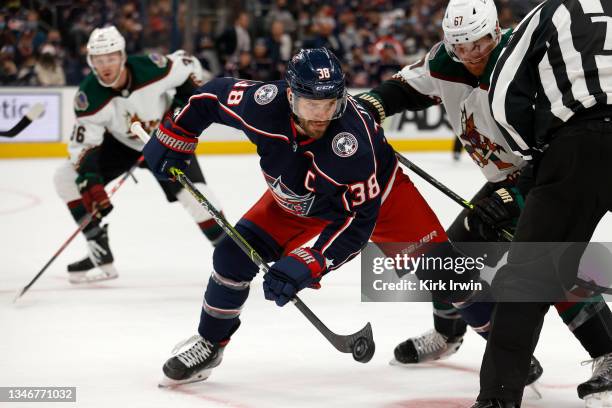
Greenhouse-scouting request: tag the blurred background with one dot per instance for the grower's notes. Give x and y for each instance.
(43, 55)
(42, 43)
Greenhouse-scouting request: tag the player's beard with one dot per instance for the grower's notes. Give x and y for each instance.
(476, 68)
(312, 128)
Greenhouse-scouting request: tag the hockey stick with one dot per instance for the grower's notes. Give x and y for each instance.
(80, 228)
(447, 191)
(360, 344)
(506, 235)
(34, 113)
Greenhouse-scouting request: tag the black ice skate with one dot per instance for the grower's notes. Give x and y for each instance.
(534, 374)
(194, 364)
(100, 256)
(427, 347)
(597, 391)
(494, 404)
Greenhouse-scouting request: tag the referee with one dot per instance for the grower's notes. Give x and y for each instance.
(551, 96)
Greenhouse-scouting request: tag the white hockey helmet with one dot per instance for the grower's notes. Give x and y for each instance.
(467, 21)
(106, 40)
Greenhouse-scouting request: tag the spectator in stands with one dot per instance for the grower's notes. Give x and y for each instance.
(265, 68)
(158, 28)
(8, 68)
(323, 30)
(204, 46)
(245, 68)
(234, 40)
(48, 70)
(76, 67)
(359, 69)
(26, 76)
(129, 25)
(279, 44)
(347, 27)
(388, 65)
(280, 12)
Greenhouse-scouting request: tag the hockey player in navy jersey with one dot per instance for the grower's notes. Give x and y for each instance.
(330, 173)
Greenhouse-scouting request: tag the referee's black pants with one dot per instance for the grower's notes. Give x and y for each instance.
(572, 192)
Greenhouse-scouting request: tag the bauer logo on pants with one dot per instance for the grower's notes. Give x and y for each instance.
(344, 144)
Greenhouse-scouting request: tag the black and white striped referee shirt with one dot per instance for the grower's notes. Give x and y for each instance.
(557, 63)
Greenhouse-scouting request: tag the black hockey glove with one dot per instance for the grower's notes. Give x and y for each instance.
(373, 103)
(498, 211)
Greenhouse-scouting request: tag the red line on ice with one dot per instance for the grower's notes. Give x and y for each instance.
(34, 201)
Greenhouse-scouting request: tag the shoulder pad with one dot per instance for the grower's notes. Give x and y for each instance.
(443, 66)
(148, 68)
(91, 96)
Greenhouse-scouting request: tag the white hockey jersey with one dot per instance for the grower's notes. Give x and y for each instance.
(99, 110)
(465, 99)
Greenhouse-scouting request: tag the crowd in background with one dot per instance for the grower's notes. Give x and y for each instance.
(44, 42)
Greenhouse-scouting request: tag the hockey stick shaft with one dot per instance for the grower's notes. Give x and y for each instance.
(340, 342)
(508, 236)
(82, 225)
(254, 256)
(34, 113)
(445, 190)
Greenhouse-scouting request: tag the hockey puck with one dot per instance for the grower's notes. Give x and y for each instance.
(363, 350)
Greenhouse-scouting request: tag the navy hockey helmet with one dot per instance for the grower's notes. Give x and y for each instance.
(316, 74)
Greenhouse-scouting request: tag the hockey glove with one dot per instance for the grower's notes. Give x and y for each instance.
(498, 211)
(372, 102)
(303, 267)
(169, 147)
(93, 194)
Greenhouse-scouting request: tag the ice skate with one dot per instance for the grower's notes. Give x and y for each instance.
(98, 265)
(597, 391)
(194, 364)
(430, 346)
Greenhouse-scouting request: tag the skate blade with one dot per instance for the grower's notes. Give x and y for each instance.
(107, 272)
(451, 350)
(532, 391)
(598, 400)
(396, 363)
(170, 383)
(427, 363)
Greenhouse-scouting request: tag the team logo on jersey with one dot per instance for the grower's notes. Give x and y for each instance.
(159, 60)
(291, 202)
(344, 144)
(482, 150)
(148, 125)
(266, 94)
(80, 101)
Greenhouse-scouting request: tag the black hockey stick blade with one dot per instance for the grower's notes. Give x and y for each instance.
(342, 343)
(34, 113)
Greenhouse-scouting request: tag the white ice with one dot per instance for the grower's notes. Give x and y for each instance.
(111, 339)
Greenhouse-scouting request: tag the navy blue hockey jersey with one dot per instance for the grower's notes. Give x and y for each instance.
(341, 178)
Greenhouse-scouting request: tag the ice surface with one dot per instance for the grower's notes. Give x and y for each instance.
(111, 339)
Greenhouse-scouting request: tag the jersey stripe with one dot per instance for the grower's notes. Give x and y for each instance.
(233, 114)
(331, 240)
